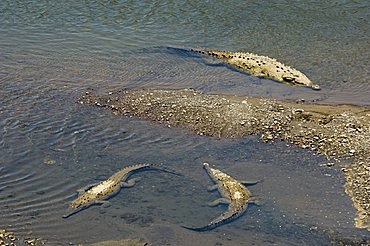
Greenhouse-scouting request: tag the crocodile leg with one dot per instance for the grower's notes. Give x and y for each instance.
(250, 182)
(212, 188)
(83, 189)
(219, 201)
(255, 200)
(104, 204)
(129, 183)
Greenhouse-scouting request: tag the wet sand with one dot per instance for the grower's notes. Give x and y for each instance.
(338, 132)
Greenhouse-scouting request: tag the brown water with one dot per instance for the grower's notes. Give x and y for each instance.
(50, 53)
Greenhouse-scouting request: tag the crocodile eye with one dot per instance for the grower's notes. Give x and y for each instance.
(288, 79)
(316, 87)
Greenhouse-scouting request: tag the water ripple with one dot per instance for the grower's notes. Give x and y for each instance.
(32, 196)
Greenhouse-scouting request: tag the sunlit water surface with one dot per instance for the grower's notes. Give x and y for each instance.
(52, 51)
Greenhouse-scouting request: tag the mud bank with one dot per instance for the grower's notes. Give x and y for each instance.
(338, 132)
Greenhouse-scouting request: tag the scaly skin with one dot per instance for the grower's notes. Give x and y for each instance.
(262, 66)
(98, 193)
(233, 192)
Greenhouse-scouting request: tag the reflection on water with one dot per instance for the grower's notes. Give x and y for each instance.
(51, 52)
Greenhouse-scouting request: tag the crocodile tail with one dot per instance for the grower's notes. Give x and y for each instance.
(213, 224)
(200, 229)
(204, 52)
(217, 222)
(166, 169)
(218, 54)
(144, 167)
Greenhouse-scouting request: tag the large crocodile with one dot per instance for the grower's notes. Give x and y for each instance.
(233, 192)
(99, 193)
(262, 66)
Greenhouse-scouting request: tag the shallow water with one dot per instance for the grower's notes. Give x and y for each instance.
(51, 52)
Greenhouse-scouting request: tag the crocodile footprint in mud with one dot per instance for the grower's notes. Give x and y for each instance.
(99, 193)
(233, 192)
(262, 66)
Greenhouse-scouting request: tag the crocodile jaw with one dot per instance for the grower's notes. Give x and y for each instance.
(73, 210)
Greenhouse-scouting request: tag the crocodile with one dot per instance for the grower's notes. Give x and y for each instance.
(262, 66)
(233, 192)
(99, 193)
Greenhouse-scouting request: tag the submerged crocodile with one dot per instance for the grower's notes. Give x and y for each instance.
(262, 66)
(233, 192)
(99, 193)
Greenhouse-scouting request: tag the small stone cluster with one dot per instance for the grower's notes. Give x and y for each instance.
(8, 238)
(358, 188)
(335, 131)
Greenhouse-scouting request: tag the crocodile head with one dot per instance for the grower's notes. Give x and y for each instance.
(77, 205)
(80, 201)
(299, 79)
